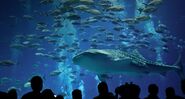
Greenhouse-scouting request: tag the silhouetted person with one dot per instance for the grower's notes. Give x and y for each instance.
(117, 92)
(104, 92)
(128, 91)
(3, 95)
(12, 94)
(77, 94)
(135, 91)
(153, 91)
(36, 85)
(183, 86)
(47, 94)
(131, 91)
(59, 97)
(170, 94)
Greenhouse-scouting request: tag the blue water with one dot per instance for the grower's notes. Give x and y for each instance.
(170, 12)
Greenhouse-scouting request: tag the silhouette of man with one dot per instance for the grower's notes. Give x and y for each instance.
(153, 91)
(170, 94)
(117, 92)
(128, 91)
(47, 94)
(36, 85)
(104, 92)
(183, 86)
(135, 91)
(12, 94)
(77, 94)
(59, 97)
(3, 95)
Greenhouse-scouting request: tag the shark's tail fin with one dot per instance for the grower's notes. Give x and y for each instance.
(179, 63)
(181, 67)
(182, 76)
(180, 72)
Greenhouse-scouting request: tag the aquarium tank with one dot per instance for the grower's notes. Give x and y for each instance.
(76, 44)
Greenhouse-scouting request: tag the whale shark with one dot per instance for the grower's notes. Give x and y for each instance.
(110, 61)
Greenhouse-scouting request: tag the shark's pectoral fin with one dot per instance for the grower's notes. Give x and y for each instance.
(100, 77)
(104, 77)
(139, 64)
(137, 54)
(116, 59)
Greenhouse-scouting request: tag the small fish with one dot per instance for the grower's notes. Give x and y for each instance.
(46, 30)
(149, 9)
(116, 8)
(46, 1)
(143, 18)
(17, 46)
(81, 7)
(73, 16)
(41, 49)
(86, 1)
(7, 63)
(55, 73)
(154, 2)
(94, 11)
(27, 85)
(29, 17)
(26, 42)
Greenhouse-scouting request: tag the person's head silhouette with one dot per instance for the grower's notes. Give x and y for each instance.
(170, 92)
(36, 84)
(12, 93)
(47, 94)
(153, 89)
(59, 97)
(77, 94)
(102, 88)
(120, 90)
(3, 95)
(135, 90)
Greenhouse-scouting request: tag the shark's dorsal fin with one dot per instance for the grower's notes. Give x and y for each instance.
(137, 54)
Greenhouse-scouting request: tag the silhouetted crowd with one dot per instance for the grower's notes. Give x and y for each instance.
(125, 91)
